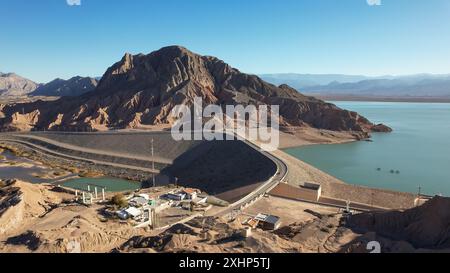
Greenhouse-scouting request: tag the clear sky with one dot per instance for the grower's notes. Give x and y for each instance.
(45, 39)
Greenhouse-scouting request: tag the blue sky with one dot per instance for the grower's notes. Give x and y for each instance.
(45, 39)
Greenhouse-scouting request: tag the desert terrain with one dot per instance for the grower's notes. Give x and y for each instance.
(45, 218)
(119, 128)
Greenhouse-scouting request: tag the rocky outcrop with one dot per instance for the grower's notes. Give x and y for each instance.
(427, 226)
(1, 109)
(24, 122)
(381, 128)
(142, 90)
(73, 87)
(14, 85)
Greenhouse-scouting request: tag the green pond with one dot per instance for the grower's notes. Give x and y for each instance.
(110, 184)
(28, 173)
(416, 154)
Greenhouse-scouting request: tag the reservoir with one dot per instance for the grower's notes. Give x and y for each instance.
(416, 154)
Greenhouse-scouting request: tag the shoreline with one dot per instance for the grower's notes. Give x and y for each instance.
(380, 99)
(305, 136)
(300, 171)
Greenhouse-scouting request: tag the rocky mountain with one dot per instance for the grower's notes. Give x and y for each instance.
(427, 226)
(142, 90)
(72, 87)
(14, 85)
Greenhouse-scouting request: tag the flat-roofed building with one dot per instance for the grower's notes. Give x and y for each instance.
(268, 222)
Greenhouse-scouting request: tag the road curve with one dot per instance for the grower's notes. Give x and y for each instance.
(282, 171)
(278, 177)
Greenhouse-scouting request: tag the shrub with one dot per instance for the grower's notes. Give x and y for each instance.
(119, 200)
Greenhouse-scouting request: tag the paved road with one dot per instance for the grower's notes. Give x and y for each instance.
(282, 171)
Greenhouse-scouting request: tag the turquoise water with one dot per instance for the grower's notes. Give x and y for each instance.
(419, 148)
(110, 184)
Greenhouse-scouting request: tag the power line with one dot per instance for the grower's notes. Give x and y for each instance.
(153, 165)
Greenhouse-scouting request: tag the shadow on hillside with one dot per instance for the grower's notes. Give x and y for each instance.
(217, 167)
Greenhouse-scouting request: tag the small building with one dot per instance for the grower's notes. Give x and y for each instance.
(246, 232)
(312, 190)
(252, 223)
(138, 201)
(268, 222)
(191, 194)
(174, 196)
(133, 212)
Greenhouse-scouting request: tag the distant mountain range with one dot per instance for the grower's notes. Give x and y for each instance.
(73, 87)
(420, 85)
(301, 81)
(411, 86)
(13, 85)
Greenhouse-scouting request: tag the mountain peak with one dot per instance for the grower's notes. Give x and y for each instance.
(12, 84)
(174, 49)
(141, 90)
(72, 87)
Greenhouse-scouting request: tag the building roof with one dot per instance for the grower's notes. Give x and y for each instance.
(176, 193)
(190, 191)
(267, 218)
(144, 195)
(139, 200)
(134, 212)
(272, 219)
(252, 222)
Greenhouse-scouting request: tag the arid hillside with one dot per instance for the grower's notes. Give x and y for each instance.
(427, 226)
(142, 90)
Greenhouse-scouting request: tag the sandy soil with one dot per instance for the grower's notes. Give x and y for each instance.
(300, 136)
(42, 223)
(288, 210)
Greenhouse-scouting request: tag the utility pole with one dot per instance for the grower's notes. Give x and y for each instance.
(153, 166)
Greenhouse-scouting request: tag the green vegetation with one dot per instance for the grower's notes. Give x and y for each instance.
(119, 200)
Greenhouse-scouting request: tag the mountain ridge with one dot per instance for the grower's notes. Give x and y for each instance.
(74, 86)
(12, 84)
(415, 85)
(142, 89)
